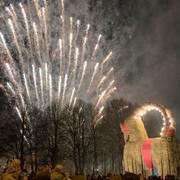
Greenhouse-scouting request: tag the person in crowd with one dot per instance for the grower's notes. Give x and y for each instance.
(88, 177)
(32, 175)
(13, 171)
(57, 173)
(43, 173)
(25, 174)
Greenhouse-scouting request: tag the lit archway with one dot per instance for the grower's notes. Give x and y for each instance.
(168, 127)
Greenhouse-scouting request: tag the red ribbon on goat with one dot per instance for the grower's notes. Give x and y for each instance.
(169, 132)
(124, 128)
(146, 153)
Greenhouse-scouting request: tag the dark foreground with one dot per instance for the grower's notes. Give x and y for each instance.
(14, 172)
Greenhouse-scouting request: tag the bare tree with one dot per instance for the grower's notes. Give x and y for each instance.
(80, 134)
(110, 137)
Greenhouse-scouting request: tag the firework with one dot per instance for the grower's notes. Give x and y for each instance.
(47, 69)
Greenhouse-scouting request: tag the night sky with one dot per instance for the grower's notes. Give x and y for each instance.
(146, 40)
(144, 36)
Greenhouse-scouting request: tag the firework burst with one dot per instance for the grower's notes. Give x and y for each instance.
(48, 66)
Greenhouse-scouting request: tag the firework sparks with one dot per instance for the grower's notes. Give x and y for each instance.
(62, 68)
(19, 113)
(11, 88)
(64, 88)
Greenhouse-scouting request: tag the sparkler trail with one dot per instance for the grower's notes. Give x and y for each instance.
(94, 73)
(63, 27)
(9, 70)
(11, 88)
(35, 83)
(77, 33)
(36, 4)
(27, 88)
(107, 58)
(109, 93)
(100, 98)
(37, 46)
(60, 55)
(9, 11)
(106, 93)
(59, 87)
(74, 103)
(100, 110)
(41, 86)
(84, 43)
(72, 96)
(64, 66)
(5, 46)
(17, 44)
(98, 120)
(46, 33)
(75, 64)
(110, 71)
(27, 27)
(50, 90)
(64, 89)
(46, 75)
(101, 82)
(22, 100)
(96, 46)
(70, 44)
(19, 113)
(14, 16)
(83, 73)
(110, 85)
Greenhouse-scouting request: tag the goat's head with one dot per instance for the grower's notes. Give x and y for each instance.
(133, 127)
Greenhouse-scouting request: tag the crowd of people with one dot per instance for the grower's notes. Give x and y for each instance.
(13, 172)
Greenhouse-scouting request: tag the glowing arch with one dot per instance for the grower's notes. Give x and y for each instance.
(168, 127)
